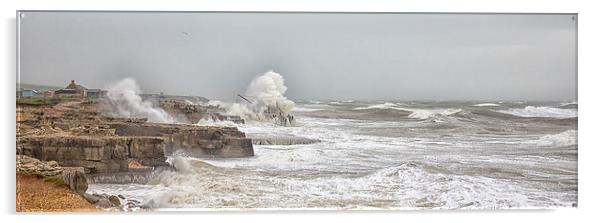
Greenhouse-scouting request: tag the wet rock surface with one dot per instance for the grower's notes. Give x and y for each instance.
(114, 202)
(103, 200)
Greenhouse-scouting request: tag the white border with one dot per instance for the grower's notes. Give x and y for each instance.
(589, 108)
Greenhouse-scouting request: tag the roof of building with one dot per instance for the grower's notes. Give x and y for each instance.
(75, 86)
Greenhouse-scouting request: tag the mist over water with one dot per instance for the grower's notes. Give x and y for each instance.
(387, 155)
(125, 101)
(265, 93)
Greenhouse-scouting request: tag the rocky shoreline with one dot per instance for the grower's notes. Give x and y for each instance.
(82, 142)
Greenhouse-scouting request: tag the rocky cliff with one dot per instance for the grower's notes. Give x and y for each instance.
(79, 135)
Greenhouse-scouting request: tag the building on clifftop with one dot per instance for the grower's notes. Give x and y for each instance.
(76, 90)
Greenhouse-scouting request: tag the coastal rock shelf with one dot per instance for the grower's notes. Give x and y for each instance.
(197, 141)
(79, 135)
(95, 154)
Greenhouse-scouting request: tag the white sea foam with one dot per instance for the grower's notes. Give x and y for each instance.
(550, 112)
(304, 109)
(217, 103)
(429, 113)
(565, 138)
(415, 113)
(245, 112)
(126, 102)
(267, 93)
(269, 88)
(425, 168)
(486, 105)
(386, 105)
(211, 122)
(569, 103)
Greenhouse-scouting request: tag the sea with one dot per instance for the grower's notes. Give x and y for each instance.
(384, 155)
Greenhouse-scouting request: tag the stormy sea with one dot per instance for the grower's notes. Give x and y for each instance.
(384, 155)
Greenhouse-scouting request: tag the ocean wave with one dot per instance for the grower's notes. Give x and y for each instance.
(568, 103)
(386, 105)
(414, 113)
(486, 105)
(423, 186)
(303, 109)
(192, 179)
(566, 138)
(572, 105)
(431, 113)
(545, 112)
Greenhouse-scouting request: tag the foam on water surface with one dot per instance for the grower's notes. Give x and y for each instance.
(384, 164)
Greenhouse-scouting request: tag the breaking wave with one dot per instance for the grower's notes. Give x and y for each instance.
(568, 103)
(386, 105)
(191, 180)
(423, 187)
(269, 89)
(414, 113)
(566, 138)
(545, 112)
(430, 113)
(302, 109)
(125, 101)
(267, 96)
(486, 105)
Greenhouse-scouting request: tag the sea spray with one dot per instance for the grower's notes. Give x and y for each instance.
(218, 123)
(126, 102)
(189, 180)
(268, 100)
(269, 88)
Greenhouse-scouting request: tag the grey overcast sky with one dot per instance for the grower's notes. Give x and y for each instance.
(321, 56)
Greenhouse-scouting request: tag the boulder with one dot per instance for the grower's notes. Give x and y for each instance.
(74, 178)
(114, 200)
(103, 200)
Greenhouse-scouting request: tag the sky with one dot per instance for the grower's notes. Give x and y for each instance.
(322, 56)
